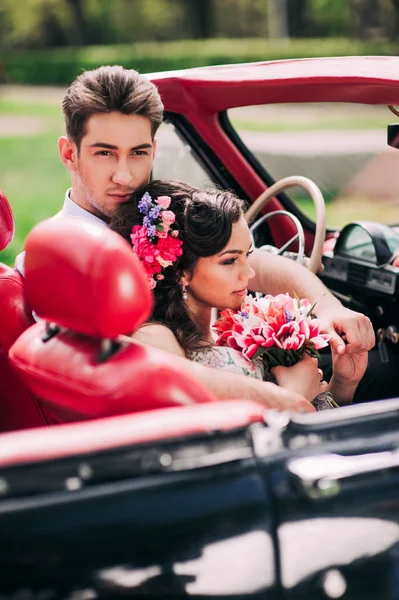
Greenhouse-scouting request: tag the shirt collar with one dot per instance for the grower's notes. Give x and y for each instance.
(71, 209)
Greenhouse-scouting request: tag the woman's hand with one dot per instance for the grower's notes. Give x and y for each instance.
(303, 378)
(348, 369)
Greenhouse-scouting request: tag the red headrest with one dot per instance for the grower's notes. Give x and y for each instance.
(85, 277)
(7, 226)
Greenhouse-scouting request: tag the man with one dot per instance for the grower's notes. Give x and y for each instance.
(112, 116)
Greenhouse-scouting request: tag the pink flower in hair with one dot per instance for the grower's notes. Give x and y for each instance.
(170, 248)
(168, 217)
(164, 201)
(151, 281)
(155, 242)
(139, 233)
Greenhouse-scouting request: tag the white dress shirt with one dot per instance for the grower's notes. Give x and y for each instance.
(70, 209)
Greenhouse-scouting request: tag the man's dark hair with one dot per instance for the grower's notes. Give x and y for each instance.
(110, 89)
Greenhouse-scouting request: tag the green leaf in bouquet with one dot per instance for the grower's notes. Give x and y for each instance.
(310, 313)
(278, 357)
(324, 401)
(311, 350)
(296, 296)
(260, 351)
(331, 400)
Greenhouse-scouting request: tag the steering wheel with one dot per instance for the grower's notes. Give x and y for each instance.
(300, 236)
(314, 192)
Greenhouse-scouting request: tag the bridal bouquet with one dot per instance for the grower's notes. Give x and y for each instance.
(280, 329)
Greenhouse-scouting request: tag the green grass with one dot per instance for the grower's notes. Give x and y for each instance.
(61, 65)
(310, 117)
(34, 180)
(31, 173)
(323, 122)
(31, 109)
(343, 210)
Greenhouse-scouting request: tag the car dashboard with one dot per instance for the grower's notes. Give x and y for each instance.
(362, 270)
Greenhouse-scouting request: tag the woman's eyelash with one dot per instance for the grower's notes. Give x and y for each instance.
(230, 261)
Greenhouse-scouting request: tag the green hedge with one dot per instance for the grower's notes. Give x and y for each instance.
(62, 65)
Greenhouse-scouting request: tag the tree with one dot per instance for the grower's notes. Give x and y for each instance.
(366, 18)
(201, 18)
(391, 13)
(81, 30)
(35, 23)
(277, 19)
(297, 18)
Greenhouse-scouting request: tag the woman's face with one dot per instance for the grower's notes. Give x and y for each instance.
(221, 281)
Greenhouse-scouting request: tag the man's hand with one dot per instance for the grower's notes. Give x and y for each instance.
(350, 331)
(348, 369)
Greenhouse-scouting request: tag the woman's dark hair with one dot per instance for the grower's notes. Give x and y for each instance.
(204, 219)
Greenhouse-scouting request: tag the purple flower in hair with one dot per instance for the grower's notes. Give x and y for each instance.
(145, 204)
(147, 222)
(154, 212)
(150, 227)
(151, 231)
(156, 238)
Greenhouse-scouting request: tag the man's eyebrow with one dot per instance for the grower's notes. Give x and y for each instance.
(111, 147)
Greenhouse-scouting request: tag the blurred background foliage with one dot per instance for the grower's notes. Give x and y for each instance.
(51, 41)
(153, 35)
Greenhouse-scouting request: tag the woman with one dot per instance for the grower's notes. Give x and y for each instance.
(195, 245)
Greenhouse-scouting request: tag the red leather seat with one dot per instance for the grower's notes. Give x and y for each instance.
(18, 408)
(86, 282)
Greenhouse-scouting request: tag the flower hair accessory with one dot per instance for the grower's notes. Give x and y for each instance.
(156, 241)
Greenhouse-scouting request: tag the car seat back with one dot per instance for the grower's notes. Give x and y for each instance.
(18, 408)
(90, 290)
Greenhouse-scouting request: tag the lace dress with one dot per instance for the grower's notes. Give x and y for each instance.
(229, 359)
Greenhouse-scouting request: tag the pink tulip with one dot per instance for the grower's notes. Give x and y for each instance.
(270, 322)
(292, 336)
(250, 352)
(319, 340)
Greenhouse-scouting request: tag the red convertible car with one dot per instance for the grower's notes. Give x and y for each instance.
(120, 477)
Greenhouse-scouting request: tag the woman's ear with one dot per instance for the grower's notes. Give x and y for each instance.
(68, 153)
(185, 278)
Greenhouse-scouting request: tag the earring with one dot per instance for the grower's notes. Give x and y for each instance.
(184, 292)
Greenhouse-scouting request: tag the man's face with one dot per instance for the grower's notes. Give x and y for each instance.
(114, 159)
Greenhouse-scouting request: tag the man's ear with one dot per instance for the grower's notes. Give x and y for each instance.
(154, 148)
(68, 153)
